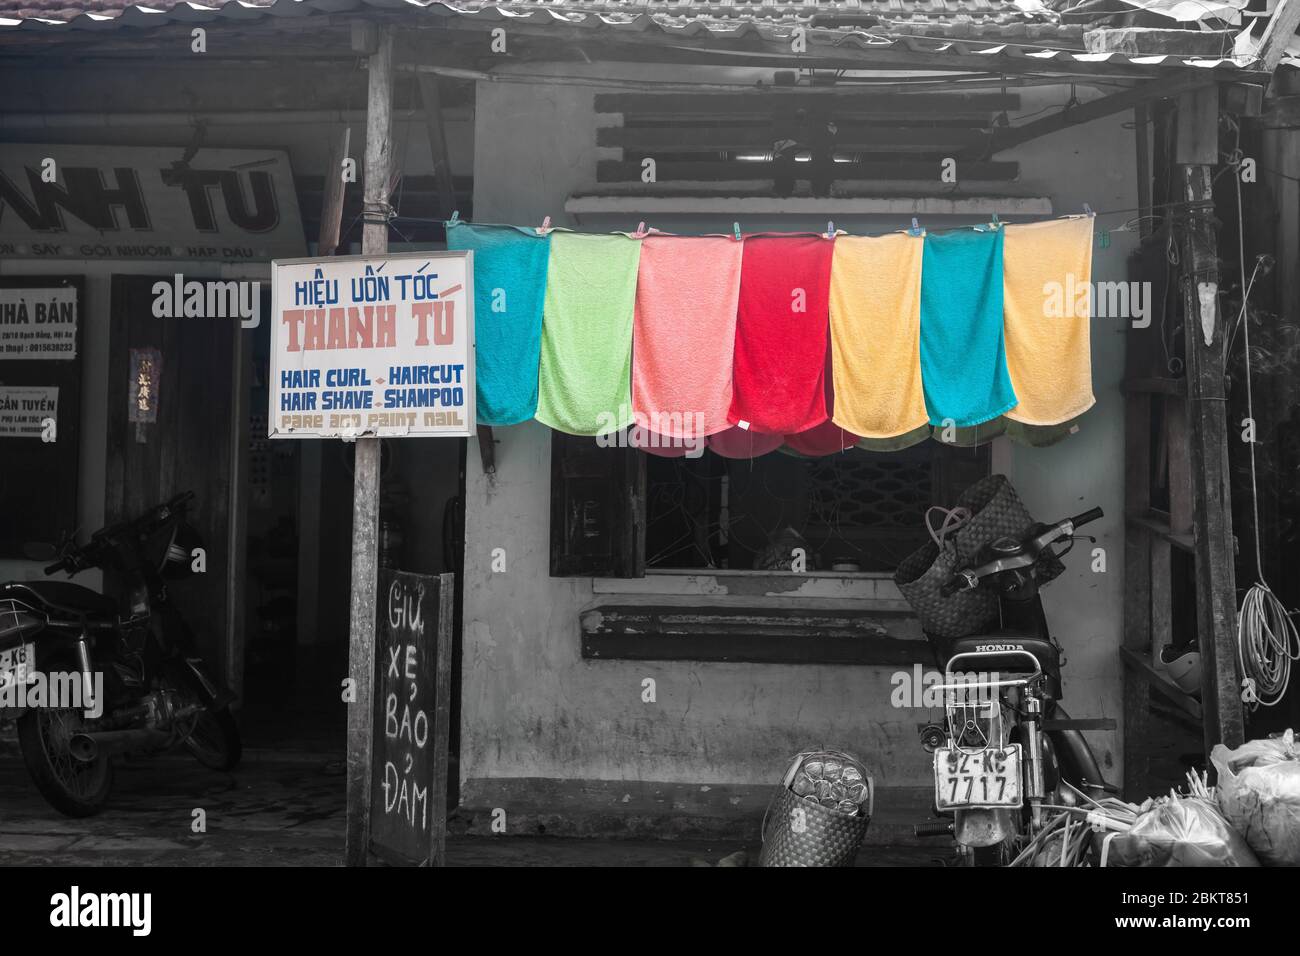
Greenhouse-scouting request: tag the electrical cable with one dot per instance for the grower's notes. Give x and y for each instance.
(1266, 635)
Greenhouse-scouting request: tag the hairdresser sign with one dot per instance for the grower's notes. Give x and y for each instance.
(373, 345)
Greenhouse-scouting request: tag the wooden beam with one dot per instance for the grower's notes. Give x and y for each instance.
(1216, 597)
(1198, 141)
(1099, 108)
(626, 171)
(839, 102)
(850, 137)
(331, 217)
(365, 491)
(1279, 32)
(431, 98)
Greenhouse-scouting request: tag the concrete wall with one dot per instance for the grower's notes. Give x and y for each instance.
(533, 708)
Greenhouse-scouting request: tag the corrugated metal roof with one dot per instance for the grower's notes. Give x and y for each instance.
(958, 17)
(996, 29)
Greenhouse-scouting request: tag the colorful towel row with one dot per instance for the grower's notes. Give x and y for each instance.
(779, 334)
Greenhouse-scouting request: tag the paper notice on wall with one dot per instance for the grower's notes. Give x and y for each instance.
(27, 411)
(38, 323)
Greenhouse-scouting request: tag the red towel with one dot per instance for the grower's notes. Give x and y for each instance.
(782, 323)
(738, 443)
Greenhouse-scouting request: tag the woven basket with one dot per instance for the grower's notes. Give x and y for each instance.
(828, 837)
(995, 511)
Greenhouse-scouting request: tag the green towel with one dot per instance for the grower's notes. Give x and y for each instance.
(585, 380)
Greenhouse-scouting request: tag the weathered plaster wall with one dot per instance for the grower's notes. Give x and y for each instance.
(533, 707)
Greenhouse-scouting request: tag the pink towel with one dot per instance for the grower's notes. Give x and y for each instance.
(684, 334)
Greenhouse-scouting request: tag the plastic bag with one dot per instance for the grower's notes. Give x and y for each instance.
(1259, 794)
(1177, 831)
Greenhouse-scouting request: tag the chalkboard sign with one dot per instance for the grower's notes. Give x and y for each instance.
(408, 801)
(41, 340)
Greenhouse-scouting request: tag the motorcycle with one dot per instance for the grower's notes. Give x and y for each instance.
(128, 677)
(1006, 747)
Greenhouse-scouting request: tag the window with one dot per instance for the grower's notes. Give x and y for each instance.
(617, 511)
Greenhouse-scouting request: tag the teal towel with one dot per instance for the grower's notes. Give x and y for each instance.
(963, 361)
(509, 287)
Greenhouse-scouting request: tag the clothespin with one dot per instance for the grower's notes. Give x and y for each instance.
(1087, 210)
(916, 228)
(997, 223)
(640, 229)
(830, 230)
(735, 228)
(455, 218)
(545, 227)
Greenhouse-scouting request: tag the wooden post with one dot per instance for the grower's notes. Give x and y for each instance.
(1216, 594)
(365, 492)
(442, 718)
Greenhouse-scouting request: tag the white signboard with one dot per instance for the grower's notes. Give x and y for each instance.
(24, 409)
(373, 345)
(134, 202)
(38, 323)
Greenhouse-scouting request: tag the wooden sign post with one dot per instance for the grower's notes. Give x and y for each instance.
(365, 492)
(408, 799)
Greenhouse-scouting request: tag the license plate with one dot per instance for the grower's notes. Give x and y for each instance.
(990, 778)
(16, 663)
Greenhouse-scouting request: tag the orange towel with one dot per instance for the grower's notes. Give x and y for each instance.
(875, 334)
(1047, 275)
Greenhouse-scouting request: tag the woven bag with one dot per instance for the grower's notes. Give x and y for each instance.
(987, 510)
(799, 831)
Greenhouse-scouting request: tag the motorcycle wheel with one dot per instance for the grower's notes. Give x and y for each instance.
(215, 740)
(73, 788)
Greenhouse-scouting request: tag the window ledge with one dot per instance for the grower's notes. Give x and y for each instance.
(876, 589)
(754, 633)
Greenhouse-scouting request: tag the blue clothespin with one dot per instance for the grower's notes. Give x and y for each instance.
(1103, 239)
(830, 230)
(455, 218)
(916, 228)
(1087, 210)
(735, 227)
(997, 223)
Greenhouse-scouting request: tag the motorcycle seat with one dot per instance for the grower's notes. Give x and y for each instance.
(62, 598)
(999, 644)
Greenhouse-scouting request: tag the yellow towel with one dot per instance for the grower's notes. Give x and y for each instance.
(875, 334)
(1046, 275)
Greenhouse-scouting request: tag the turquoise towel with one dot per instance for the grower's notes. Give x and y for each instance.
(509, 287)
(963, 362)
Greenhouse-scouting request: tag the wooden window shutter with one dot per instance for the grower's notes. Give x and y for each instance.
(597, 509)
(956, 469)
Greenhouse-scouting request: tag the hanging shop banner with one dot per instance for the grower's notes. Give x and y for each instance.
(38, 323)
(133, 202)
(373, 345)
(27, 412)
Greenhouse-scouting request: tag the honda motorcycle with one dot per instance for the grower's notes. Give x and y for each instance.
(136, 683)
(1006, 746)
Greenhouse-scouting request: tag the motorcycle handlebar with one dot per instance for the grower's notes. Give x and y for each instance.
(54, 568)
(1090, 515)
